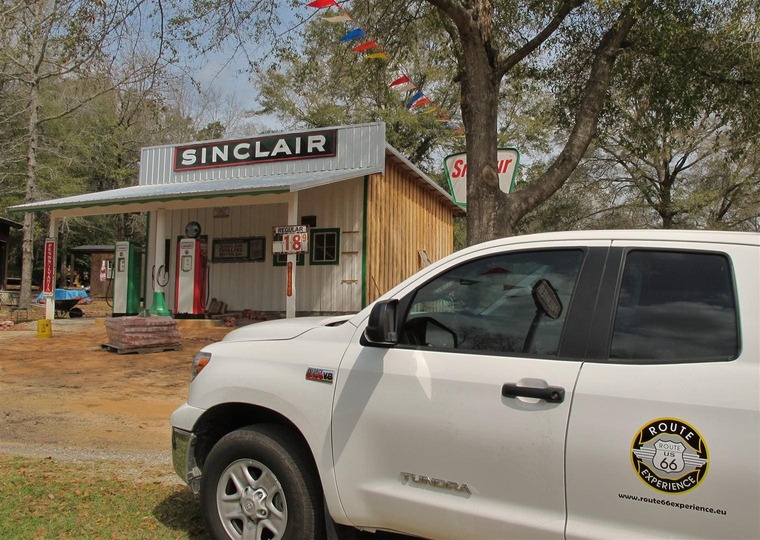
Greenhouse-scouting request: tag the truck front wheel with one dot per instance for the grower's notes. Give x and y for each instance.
(258, 483)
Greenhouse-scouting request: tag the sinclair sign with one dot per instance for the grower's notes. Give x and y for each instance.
(455, 167)
(313, 144)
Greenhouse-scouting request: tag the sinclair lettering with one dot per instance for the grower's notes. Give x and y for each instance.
(459, 169)
(259, 150)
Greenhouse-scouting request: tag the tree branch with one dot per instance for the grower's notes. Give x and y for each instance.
(520, 54)
(588, 112)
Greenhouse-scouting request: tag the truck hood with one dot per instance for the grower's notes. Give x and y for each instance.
(283, 328)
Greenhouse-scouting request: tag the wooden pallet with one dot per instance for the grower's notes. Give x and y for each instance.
(118, 349)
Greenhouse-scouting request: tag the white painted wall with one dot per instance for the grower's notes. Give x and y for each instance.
(261, 285)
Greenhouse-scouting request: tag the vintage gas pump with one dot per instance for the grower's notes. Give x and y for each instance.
(190, 278)
(127, 274)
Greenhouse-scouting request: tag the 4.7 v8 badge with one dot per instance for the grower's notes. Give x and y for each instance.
(320, 375)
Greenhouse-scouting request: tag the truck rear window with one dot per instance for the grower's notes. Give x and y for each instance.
(675, 307)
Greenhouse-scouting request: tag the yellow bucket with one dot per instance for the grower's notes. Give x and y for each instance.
(44, 328)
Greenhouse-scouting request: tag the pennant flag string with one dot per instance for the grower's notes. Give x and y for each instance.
(403, 83)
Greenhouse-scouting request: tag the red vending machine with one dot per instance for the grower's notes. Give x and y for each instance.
(190, 282)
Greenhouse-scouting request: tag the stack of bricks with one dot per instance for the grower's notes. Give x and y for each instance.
(131, 333)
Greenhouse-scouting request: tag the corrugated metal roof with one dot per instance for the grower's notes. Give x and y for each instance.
(203, 189)
(10, 223)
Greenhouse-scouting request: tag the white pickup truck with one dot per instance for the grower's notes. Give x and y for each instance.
(568, 385)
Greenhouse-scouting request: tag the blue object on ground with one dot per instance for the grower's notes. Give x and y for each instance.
(67, 294)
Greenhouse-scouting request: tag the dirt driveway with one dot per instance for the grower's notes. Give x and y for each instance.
(67, 398)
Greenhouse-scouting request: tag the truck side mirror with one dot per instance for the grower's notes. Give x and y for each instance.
(381, 328)
(547, 303)
(546, 298)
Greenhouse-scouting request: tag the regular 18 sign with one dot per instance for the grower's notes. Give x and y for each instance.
(291, 239)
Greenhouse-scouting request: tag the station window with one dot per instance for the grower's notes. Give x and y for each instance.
(324, 246)
(281, 259)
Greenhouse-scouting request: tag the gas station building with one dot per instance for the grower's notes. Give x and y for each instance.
(221, 213)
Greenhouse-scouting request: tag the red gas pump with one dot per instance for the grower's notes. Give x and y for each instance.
(190, 282)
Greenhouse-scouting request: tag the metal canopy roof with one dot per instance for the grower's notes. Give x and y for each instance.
(10, 223)
(154, 195)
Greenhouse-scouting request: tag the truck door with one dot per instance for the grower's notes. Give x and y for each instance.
(663, 438)
(438, 436)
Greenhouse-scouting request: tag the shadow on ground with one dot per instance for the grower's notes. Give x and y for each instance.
(181, 512)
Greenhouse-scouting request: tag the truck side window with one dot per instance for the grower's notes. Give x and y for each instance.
(675, 307)
(489, 305)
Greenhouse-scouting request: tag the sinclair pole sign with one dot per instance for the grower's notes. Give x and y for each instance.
(455, 167)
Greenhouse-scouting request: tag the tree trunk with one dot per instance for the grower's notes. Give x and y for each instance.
(481, 80)
(38, 42)
(27, 246)
(485, 201)
(27, 259)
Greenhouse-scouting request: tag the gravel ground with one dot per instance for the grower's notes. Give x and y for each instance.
(66, 398)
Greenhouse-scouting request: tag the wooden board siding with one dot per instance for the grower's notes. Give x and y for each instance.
(403, 217)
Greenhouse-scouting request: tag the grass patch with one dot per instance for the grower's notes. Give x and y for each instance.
(43, 498)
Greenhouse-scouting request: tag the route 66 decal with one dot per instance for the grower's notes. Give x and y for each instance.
(669, 455)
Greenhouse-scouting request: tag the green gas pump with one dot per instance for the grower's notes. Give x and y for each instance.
(127, 273)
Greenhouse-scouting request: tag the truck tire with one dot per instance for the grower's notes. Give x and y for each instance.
(258, 483)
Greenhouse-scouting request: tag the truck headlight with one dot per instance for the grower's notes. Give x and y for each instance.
(200, 361)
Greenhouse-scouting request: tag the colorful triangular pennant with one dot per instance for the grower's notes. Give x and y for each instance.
(420, 102)
(416, 97)
(337, 18)
(353, 34)
(369, 45)
(406, 87)
(401, 80)
(319, 4)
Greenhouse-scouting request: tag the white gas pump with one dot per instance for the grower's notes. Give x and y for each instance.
(190, 278)
(127, 274)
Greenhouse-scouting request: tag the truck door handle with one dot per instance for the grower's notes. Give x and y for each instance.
(550, 394)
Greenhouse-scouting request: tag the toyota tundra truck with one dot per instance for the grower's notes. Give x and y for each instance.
(565, 385)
